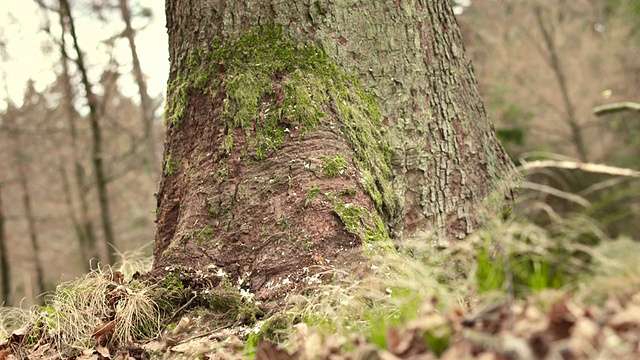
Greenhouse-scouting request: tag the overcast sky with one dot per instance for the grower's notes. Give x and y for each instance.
(30, 54)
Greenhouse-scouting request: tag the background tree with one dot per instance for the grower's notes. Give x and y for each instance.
(146, 104)
(295, 134)
(5, 278)
(56, 137)
(97, 155)
(543, 67)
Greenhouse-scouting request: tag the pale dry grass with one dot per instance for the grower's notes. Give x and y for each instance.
(135, 261)
(77, 309)
(402, 285)
(11, 319)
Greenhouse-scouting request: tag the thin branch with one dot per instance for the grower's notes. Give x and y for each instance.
(575, 165)
(616, 107)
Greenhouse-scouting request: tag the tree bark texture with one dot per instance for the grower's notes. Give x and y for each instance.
(299, 131)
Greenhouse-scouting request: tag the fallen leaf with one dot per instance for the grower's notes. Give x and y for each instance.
(183, 325)
(561, 320)
(266, 350)
(103, 331)
(626, 319)
(103, 351)
(4, 354)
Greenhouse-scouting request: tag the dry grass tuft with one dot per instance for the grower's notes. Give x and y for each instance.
(135, 261)
(97, 309)
(11, 319)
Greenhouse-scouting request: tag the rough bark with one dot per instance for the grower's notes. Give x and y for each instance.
(97, 155)
(298, 133)
(5, 277)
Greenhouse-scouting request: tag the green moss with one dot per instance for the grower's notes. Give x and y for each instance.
(201, 235)
(227, 144)
(274, 327)
(282, 219)
(204, 234)
(273, 86)
(169, 165)
(333, 166)
(312, 192)
(169, 292)
(346, 192)
(222, 172)
(369, 227)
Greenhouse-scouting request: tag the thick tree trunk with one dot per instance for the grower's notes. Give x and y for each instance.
(296, 134)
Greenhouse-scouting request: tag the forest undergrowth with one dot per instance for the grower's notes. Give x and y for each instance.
(514, 290)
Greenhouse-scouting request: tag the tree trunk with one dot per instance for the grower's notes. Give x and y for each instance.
(31, 219)
(313, 134)
(83, 225)
(97, 155)
(145, 101)
(5, 277)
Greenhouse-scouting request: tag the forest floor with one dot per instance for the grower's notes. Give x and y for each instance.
(512, 291)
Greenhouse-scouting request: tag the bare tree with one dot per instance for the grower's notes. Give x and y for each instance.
(5, 278)
(145, 101)
(21, 162)
(553, 59)
(97, 155)
(83, 224)
(30, 217)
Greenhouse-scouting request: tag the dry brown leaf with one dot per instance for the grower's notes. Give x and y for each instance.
(88, 354)
(561, 320)
(385, 355)
(183, 325)
(4, 354)
(103, 351)
(103, 331)
(266, 350)
(407, 343)
(626, 319)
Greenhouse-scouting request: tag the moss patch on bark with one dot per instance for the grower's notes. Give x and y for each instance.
(274, 87)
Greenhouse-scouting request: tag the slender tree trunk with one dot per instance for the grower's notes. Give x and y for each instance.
(145, 102)
(31, 221)
(97, 155)
(83, 224)
(77, 226)
(5, 277)
(313, 134)
(556, 67)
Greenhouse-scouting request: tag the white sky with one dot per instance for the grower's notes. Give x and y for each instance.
(32, 55)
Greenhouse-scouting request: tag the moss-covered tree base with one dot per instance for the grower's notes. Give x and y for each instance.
(275, 167)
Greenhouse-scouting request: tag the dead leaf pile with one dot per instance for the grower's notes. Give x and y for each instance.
(566, 330)
(545, 326)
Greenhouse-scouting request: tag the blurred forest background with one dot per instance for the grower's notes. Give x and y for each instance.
(80, 153)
